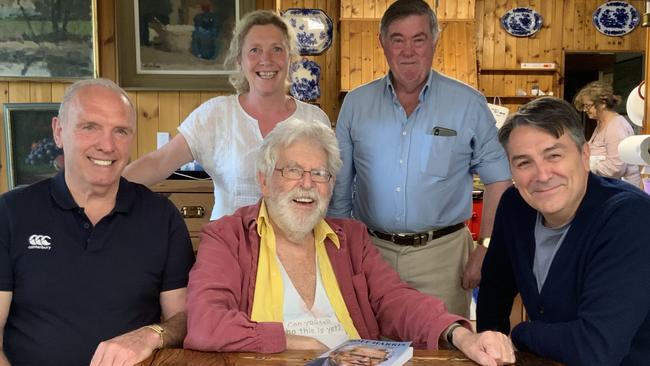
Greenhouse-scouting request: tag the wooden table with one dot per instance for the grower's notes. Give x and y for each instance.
(180, 357)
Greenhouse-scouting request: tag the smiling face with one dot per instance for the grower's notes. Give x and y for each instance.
(96, 135)
(550, 173)
(297, 205)
(409, 46)
(265, 59)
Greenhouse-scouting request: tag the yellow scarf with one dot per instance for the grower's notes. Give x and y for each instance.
(268, 300)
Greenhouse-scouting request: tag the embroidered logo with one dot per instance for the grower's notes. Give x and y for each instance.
(40, 242)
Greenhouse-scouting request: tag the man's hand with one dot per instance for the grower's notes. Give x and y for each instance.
(127, 349)
(302, 342)
(472, 272)
(486, 348)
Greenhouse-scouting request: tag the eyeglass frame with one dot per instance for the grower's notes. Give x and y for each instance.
(302, 172)
(586, 107)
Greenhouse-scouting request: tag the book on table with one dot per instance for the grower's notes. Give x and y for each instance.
(366, 352)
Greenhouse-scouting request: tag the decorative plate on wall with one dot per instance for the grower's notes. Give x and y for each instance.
(522, 22)
(305, 80)
(313, 28)
(615, 18)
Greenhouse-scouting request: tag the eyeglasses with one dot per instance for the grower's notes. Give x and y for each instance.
(295, 173)
(586, 107)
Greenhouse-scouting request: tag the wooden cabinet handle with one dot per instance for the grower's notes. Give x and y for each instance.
(192, 212)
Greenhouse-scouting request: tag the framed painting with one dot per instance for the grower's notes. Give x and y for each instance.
(44, 39)
(31, 152)
(176, 44)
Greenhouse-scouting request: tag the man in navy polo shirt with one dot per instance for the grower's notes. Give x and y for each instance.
(89, 262)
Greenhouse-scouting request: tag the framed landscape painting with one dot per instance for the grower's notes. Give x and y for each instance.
(45, 39)
(31, 152)
(176, 44)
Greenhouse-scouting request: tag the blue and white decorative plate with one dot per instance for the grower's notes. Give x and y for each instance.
(615, 18)
(313, 28)
(305, 80)
(522, 22)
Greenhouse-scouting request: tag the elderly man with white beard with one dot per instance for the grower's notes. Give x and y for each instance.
(277, 275)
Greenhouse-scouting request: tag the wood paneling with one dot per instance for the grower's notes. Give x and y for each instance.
(579, 33)
(356, 56)
(362, 58)
(374, 9)
(329, 60)
(567, 27)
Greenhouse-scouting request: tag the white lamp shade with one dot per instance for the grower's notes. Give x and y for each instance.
(636, 105)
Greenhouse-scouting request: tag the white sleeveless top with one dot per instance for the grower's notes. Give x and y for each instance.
(319, 322)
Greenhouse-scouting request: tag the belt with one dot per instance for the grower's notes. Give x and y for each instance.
(417, 239)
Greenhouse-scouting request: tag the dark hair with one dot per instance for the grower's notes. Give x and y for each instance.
(404, 8)
(597, 92)
(549, 114)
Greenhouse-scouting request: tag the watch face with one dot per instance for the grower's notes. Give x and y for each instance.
(484, 242)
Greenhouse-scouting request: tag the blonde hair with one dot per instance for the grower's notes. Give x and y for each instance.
(233, 59)
(597, 92)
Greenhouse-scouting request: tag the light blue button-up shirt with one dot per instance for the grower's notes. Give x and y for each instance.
(410, 174)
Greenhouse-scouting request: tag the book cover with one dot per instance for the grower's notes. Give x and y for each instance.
(366, 352)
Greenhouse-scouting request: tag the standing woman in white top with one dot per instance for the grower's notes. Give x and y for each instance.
(224, 133)
(597, 100)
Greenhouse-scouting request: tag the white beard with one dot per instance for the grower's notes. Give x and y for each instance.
(293, 222)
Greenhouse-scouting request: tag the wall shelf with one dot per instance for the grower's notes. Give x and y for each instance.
(504, 70)
(520, 97)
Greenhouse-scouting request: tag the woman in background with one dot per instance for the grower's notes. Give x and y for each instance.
(597, 100)
(224, 133)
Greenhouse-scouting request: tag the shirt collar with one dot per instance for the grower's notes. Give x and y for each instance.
(62, 196)
(391, 88)
(322, 230)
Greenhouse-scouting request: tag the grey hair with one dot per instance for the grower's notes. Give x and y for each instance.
(233, 59)
(75, 88)
(403, 8)
(285, 133)
(552, 115)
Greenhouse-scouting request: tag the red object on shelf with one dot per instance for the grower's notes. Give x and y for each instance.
(474, 223)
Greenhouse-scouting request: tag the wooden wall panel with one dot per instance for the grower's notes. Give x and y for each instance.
(567, 27)
(360, 49)
(329, 60)
(579, 34)
(357, 57)
(374, 9)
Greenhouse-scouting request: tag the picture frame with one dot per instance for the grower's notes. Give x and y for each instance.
(171, 45)
(49, 40)
(30, 149)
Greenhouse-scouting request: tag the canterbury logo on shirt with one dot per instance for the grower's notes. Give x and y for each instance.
(40, 242)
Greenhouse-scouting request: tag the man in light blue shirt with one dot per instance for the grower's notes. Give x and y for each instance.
(410, 143)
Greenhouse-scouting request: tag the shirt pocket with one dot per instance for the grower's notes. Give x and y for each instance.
(436, 154)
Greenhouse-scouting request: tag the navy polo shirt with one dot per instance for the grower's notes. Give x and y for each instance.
(75, 284)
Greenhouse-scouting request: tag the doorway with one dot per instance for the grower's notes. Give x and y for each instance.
(624, 70)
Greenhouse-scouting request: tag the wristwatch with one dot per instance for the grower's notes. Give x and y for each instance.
(160, 330)
(484, 242)
(449, 335)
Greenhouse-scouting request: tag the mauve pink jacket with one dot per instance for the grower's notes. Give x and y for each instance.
(222, 281)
